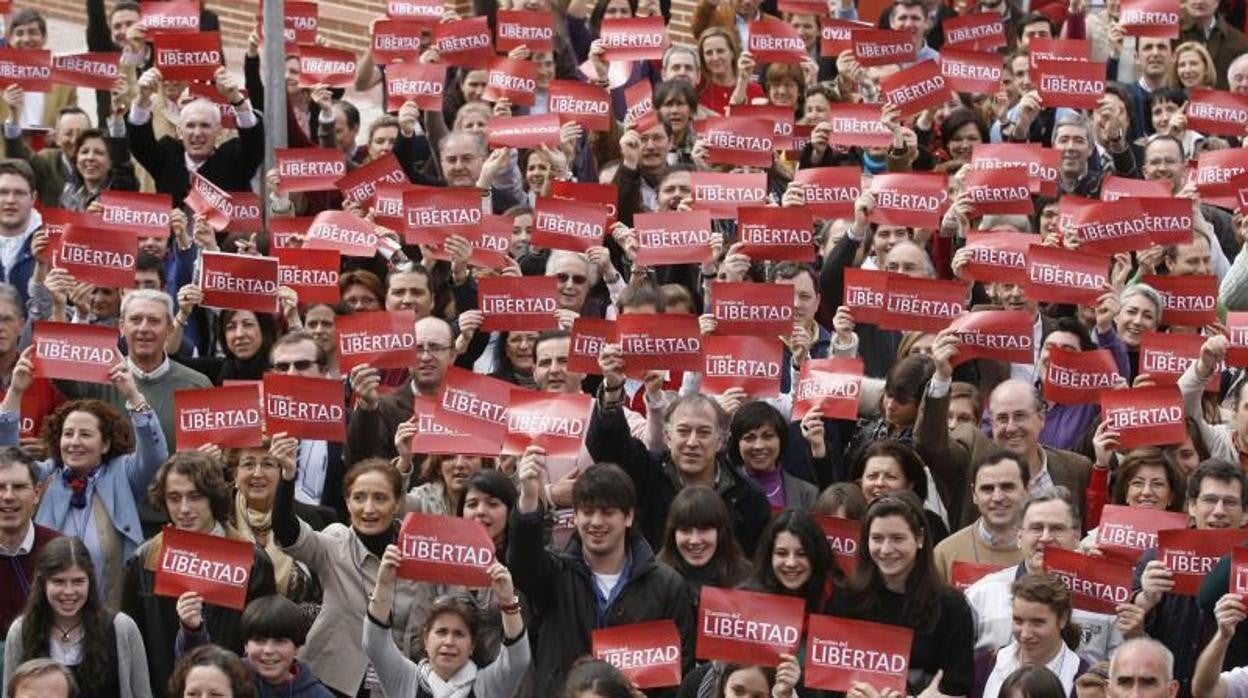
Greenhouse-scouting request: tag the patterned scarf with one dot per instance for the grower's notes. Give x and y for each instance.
(77, 482)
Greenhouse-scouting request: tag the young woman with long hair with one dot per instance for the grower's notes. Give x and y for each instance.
(699, 543)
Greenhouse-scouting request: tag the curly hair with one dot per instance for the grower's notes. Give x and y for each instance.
(206, 472)
(225, 661)
(114, 428)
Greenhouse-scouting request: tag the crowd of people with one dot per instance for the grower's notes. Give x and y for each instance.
(960, 470)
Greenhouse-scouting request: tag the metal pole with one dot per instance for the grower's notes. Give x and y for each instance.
(274, 53)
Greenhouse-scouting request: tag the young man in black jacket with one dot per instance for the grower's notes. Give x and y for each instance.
(607, 575)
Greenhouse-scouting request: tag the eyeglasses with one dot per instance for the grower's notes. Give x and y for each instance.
(1212, 500)
(431, 348)
(299, 365)
(578, 279)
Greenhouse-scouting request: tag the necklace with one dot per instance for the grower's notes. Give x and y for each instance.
(65, 633)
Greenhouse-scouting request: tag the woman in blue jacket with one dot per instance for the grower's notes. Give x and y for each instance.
(100, 466)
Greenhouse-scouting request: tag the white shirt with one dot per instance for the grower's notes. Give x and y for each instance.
(313, 467)
(32, 111)
(24, 547)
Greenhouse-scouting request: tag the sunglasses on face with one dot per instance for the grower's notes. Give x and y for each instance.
(300, 365)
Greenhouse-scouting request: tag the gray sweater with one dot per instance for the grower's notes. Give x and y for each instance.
(400, 676)
(131, 656)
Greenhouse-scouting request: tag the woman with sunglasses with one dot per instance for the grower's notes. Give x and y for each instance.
(896, 583)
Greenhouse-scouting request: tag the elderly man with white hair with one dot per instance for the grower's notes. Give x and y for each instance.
(171, 161)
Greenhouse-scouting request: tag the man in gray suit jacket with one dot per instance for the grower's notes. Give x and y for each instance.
(1017, 417)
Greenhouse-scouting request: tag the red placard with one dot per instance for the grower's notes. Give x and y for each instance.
(605, 195)
(433, 213)
(778, 234)
(1187, 301)
(359, 185)
(1217, 112)
(513, 303)
(1156, 18)
(422, 83)
(238, 281)
(351, 235)
(858, 125)
(1096, 584)
(1000, 335)
(836, 35)
(1041, 162)
(751, 363)
(445, 550)
(832, 386)
(491, 242)
(170, 16)
(299, 20)
(841, 652)
(308, 169)
(1114, 187)
(748, 627)
(1129, 531)
(228, 416)
(963, 574)
(648, 654)
(313, 274)
(557, 422)
(1239, 571)
(524, 131)
(321, 65)
(864, 294)
(97, 70)
(1059, 275)
(563, 224)
(511, 79)
(842, 536)
(1078, 85)
(672, 237)
(978, 31)
(588, 336)
(396, 40)
(1164, 356)
(304, 407)
(917, 88)
(1237, 332)
(1078, 377)
(1151, 416)
(288, 232)
(775, 41)
(779, 116)
(1001, 192)
(913, 200)
(924, 305)
(735, 140)
(753, 309)
(429, 11)
(188, 56)
(997, 257)
(530, 28)
(882, 47)
(585, 104)
(1107, 228)
(215, 567)
(146, 215)
(1190, 554)
(379, 338)
(229, 115)
(1042, 49)
(652, 341)
(55, 221)
(830, 192)
(74, 351)
(244, 212)
(638, 104)
(633, 38)
(971, 71)
(722, 193)
(465, 43)
(208, 200)
(100, 256)
(472, 405)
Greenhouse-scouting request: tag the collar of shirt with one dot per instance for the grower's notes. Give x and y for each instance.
(1041, 480)
(152, 375)
(992, 541)
(24, 547)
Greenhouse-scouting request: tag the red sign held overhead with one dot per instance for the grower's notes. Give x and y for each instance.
(1129, 531)
(1188, 301)
(308, 169)
(473, 405)
(215, 567)
(145, 215)
(434, 213)
(396, 41)
(313, 274)
(512, 79)
(864, 294)
(531, 131)
(722, 193)
(997, 257)
(633, 38)
(532, 29)
(920, 87)
(830, 192)
(422, 83)
(1069, 84)
(359, 185)
(998, 192)
(465, 43)
(228, 416)
(1151, 416)
(832, 386)
(379, 338)
(971, 71)
(1217, 112)
(564, 224)
(170, 16)
(915, 200)
(238, 281)
(587, 105)
(445, 550)
(321, 65)
(74, 351)
(351, 235)
(776, 41)
(517, 303)
(1040, 162)
(188, 56)
(97, 70)
(660, 342)
(751, 363)
(999, 335)
(779, 234)
(737, 140)
(753, 309)
(557, 422)
(923, 305)
(1059, 275)
(1155, 18)
(978, 31)
(304, 407)
(874, 47)
(858, 125)
(100, 256)
(588, 336)
(1078, 377)
(672, 237)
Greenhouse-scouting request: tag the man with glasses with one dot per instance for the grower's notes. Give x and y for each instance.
(370, 430)
(1164, 160)
(1215, 500)
(21, 538)
(1050, 520)
(18, 221)
(320, 463)
(1017, 412)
